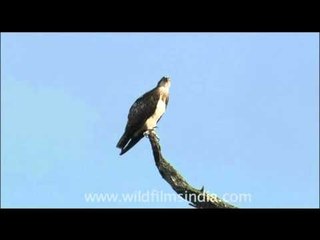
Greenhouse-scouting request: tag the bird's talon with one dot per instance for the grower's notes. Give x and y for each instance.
(155, 134)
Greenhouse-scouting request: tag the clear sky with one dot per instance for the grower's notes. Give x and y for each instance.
(242, 120)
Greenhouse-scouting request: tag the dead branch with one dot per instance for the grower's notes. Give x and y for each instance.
(198, 198)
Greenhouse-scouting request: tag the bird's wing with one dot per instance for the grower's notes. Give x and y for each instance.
(141, 110)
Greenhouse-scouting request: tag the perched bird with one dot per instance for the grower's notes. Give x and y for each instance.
(144, 114)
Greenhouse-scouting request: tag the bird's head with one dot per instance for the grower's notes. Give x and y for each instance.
(164, 82)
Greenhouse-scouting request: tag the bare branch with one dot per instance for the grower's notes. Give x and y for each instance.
(197, 197)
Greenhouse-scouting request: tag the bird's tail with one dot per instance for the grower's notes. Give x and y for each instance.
(132, 142)
(123, 141)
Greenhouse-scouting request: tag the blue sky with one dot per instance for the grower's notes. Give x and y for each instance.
(243, 118)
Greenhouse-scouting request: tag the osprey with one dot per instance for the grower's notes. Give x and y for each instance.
(144, 114)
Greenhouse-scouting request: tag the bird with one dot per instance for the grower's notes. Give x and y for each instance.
(144, 114)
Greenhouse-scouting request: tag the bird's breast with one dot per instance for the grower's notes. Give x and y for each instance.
(159, 111)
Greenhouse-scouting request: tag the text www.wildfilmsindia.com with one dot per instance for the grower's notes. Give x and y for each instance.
(150, 196)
